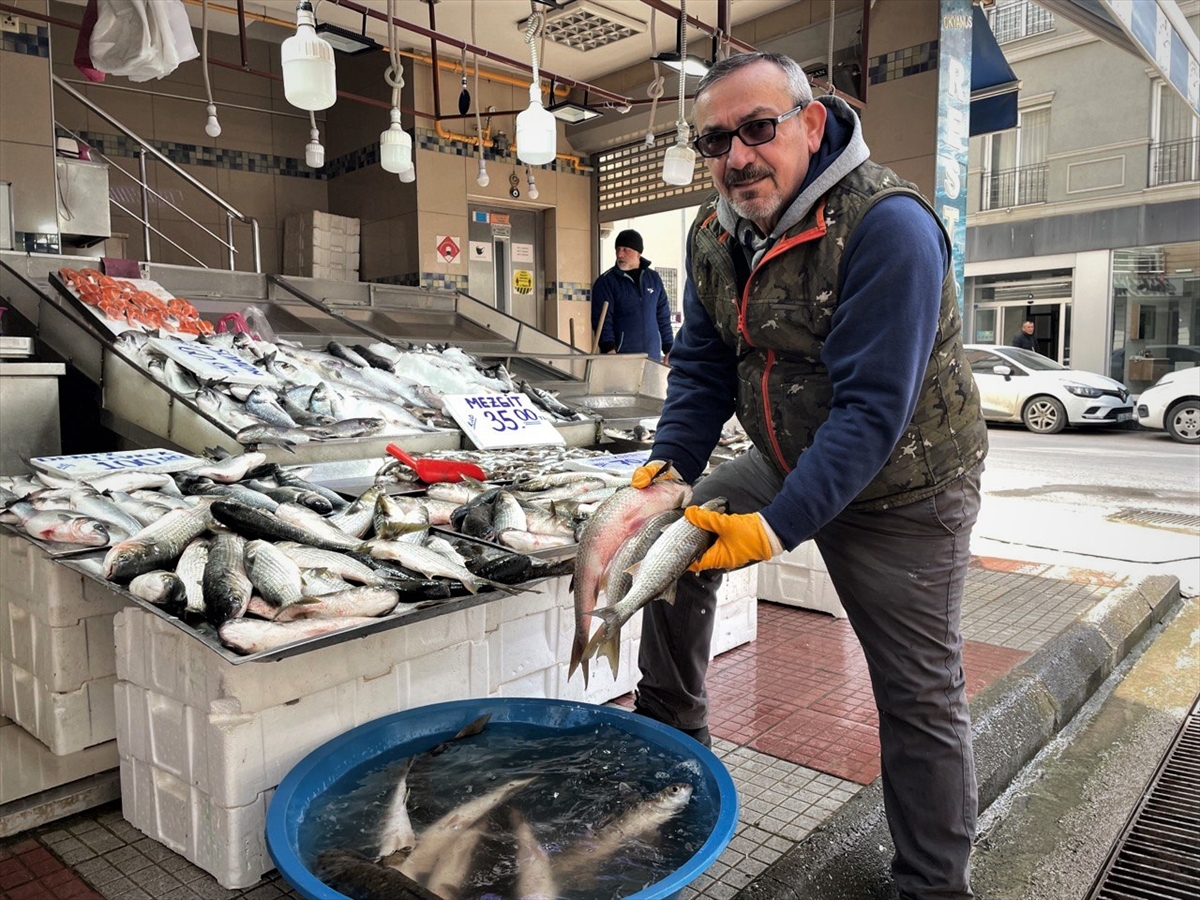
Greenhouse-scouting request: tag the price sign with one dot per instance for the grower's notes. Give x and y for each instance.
(212, 363)
(501, 420)
(84, 465)
(611, 463)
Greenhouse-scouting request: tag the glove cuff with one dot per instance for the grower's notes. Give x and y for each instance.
(772, 537)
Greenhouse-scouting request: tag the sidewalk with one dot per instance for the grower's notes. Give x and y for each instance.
(793, 720)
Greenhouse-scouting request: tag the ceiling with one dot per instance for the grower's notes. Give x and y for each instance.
(497, 28)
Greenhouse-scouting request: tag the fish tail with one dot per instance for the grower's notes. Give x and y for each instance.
(606, 641)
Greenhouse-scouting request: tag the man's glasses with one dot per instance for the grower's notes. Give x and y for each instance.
(752, 133)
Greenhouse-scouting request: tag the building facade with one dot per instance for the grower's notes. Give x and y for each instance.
(1086, 216)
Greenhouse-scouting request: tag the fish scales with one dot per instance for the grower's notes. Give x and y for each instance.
(618, 517)
(227, 587)
(680, 544)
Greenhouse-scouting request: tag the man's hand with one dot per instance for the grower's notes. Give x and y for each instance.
(655, 470)
(741, 539)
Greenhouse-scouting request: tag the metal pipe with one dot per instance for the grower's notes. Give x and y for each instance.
(129, 212)
(229, 232)
(437, 76)
(664, 7)
(256, 246)
(241, 14)
(109, 86)
(145, 202)
(487, 54)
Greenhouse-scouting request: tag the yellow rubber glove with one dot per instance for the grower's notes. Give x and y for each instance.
(655, 470)
(741, 539)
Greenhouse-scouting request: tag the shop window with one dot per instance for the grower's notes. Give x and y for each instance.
(1012, 20)
(1175, 150)
(1156, 312)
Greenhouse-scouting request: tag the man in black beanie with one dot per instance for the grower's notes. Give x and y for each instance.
(637, 318)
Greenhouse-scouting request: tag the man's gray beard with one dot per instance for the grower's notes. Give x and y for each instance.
(761, 209)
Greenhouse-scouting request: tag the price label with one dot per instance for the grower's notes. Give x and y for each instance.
(501, 420)
(86, 464)
(211, 363)
(611, 463)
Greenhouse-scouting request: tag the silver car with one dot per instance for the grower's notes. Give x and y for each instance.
(1022, 386)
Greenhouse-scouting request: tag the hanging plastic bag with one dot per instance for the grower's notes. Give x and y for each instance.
(83, 54)
(141, 39)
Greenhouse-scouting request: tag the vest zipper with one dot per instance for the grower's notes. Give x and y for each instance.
(812, 234)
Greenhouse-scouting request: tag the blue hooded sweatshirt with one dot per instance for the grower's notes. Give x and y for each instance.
(890, 285)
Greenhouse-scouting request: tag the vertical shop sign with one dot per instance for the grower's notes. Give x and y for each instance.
(953, 131)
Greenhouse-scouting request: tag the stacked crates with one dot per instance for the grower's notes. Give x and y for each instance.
(321, 245)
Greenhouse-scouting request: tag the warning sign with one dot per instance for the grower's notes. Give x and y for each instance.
(523, 281)
(448, 248)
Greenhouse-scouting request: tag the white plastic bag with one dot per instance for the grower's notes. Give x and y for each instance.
(141, 39)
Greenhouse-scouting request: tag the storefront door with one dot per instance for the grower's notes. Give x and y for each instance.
(998, 323)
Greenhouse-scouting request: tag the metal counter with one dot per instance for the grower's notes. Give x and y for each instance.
(29, 424)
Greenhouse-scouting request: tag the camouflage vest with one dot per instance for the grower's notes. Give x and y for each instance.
(779, 327)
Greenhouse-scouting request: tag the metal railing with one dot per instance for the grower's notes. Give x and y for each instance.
(1175, 162)
(1014, 187)
(232, 214)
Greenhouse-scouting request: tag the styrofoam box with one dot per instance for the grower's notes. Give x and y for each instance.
(799, 578)
(65, 721)
(60, 596)
(228, 843)
(203, 741)
(315, 220)
(62, 658)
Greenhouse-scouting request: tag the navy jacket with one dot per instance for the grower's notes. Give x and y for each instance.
(639, 316)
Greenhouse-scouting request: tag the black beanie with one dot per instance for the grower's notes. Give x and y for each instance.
(631, 239)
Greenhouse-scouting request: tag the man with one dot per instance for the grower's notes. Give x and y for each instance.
(638, 318)
(1024, 337)
(821, 308)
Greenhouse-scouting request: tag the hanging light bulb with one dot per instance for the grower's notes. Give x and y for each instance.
(679, 163)
(314, 153)
(482, 178)
(533, 190)
(409, 175)
(309, 79)
(212, 127)
(395, 146)
(537, 129)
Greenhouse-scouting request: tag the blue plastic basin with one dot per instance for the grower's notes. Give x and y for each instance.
(410, 731)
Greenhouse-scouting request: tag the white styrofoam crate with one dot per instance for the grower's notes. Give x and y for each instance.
(799, 578)
(61, 657)
(227, 842)
(59, 596)
(67, 721)
(165, 659)
(27, 766)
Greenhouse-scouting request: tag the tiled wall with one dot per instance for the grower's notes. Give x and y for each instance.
(27, 133)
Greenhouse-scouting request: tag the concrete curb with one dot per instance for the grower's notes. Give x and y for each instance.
(849, 856)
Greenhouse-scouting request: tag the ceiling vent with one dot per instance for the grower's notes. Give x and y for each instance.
(584, 25)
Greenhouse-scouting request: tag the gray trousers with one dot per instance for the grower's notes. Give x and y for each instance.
(899, 573)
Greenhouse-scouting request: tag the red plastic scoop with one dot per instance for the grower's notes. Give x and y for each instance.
(431, 470)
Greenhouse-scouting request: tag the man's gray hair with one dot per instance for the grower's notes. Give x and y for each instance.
(797, 81)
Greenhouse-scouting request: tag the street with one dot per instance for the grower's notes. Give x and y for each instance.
(1112, 500)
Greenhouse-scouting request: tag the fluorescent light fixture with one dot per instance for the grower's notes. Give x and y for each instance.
(583, 25)
(693, 66)
(346, 41)
(572, 113)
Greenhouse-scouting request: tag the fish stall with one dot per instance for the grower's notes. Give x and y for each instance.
(253, 587)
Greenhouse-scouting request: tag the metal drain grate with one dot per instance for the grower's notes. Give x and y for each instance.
(1158, 854)
(1156, 517)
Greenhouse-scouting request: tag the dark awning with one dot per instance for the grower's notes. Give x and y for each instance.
(993, 85)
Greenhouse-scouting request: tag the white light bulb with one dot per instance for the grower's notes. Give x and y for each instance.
(395, 146)
(533, 189)
(409, 175)
(537, 132)
(212, 127)
(482, 178)
(679, 165)
(533, 192)
(309, 72)
(314, 153)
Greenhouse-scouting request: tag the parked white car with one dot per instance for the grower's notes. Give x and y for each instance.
(1022, 386)
(1173, 405)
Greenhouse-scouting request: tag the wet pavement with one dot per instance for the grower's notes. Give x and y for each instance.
(792, 720)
